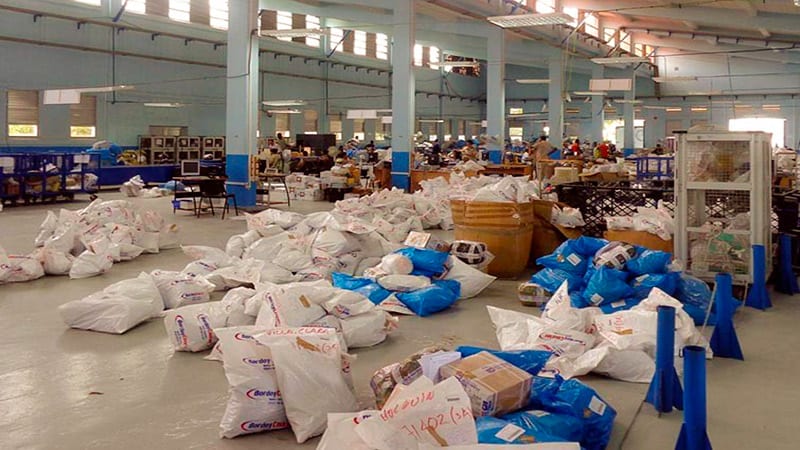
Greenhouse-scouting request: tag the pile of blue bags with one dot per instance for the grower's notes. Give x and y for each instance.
(440, 295)
(620, 286)
(558, 410)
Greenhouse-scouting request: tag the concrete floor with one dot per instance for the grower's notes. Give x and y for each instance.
(70, 389)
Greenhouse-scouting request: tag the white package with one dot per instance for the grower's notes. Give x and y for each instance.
(168, 237)
(231, 310)
(396, 264)
(340, 432)
(366, 330)
(200, 268)
(404, 283)
(255, 403)
(335, 242)
(243, 272)
(344, 304)
(293, 259)
(266, 248)
(95, 260)
(288, 309)
(237, 244)
(115, 309)
(178, 289)
(55, 262)
(212, 254)
(108, 314)
(273, 273)
(309, 369)
(191, 328)
(422, 413)
(472, 280)
(148, 240)
(46, 229)
(128, 252)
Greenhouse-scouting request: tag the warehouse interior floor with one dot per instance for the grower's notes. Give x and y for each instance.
(62, 388)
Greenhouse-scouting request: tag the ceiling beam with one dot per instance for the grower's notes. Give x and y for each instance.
(703, 16)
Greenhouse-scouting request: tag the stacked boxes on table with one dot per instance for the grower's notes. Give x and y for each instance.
(304, 187)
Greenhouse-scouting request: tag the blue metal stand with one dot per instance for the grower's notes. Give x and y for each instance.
(758, 297)
(724, 341)
(665, 390)
(786, 280)
(693, 432)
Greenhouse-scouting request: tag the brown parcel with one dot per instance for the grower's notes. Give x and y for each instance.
(494, 386)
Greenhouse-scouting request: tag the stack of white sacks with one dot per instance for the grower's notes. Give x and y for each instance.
(394, 213)
(281, 330)
(87, 242)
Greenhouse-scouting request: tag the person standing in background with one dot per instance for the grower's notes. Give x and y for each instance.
(541, 149)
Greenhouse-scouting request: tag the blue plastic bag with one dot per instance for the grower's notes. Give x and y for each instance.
(374, 292)
(578, 400)
(620, 305)
(489, 427)
(693, 291)
(429, 300)
(173, 186)
(531, 361)
(364, 286)
(565, 258)
(551, 279)
(345, 281)
(543, 391)
(453, 285)
(643, 284)
(563, 426)
(649, 261)
(425, 260)
(605, 286)
(587, 246)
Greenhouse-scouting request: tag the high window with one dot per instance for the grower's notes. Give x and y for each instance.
(180, 10)
(83, 118)
(218, 14)
(23, 113)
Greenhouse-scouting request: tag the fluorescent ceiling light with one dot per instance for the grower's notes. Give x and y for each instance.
(771, 107)
(459, 64)
(673, 79)
(283, 102)
(743, 106)
(431, 121)
(704, 93)
(655, 107)
(589, 93)
(674, 109)
(632, 102)
(530, 20)
(163, 105)
(121, 87)
(295, 33)
(699, 109)
(534, 81)
(386, 119)
(610, 84)
(621, 60)
(285, 111)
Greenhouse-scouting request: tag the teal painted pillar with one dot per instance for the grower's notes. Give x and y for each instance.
(241, 118)
(555, 102)
(629, 143)
(496, 92)
(403, 92)
(598, 108)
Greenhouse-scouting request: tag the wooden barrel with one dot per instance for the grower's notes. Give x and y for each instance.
(505, 228)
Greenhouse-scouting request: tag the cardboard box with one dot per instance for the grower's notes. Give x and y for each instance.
(642, 238)
(494, 386)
